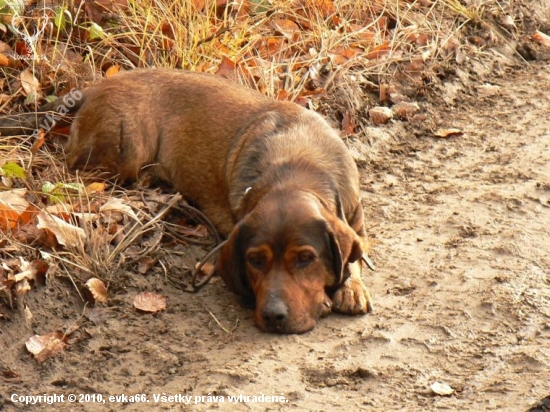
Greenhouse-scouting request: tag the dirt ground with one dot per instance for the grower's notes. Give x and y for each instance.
(462, 289)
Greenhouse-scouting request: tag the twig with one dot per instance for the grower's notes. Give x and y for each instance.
(220, 325)
(218, 32)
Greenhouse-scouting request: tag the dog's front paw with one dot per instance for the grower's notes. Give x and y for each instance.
(352, 298)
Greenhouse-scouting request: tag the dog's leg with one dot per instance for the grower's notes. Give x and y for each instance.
(352, 297)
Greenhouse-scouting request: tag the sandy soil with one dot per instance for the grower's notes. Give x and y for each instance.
(462, 290)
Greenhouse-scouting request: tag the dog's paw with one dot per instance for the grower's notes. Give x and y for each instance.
(352, 298)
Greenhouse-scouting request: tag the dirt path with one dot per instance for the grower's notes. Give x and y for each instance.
(462, 291)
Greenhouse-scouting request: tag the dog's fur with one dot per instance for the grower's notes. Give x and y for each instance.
(272, 176)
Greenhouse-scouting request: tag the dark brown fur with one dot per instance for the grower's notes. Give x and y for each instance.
(271, 175)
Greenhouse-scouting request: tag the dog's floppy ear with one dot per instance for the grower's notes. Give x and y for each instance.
(345, 247)
(231, 265)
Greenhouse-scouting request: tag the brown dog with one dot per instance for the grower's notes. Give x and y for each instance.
(271, 175)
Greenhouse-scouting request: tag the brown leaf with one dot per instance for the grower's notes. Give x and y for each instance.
(65, 233)
(117, 205)
(14, 208)
(96, 187)
(45, 346)
(448, 132)
(380, 115)
(282, 94)
(359, 31)
(29, 234)
(207, 269)
(404, 110)
(5, 48)
(385, 91)
(8, 373)
(542, 38)
(227, 68)
(7, 57)
(325, 7)
(30, 85)
(98, 289)
(379, 51)
(270, 47)
(198, 231)
(422, 40)
(145, 264)
(342, 54)
(112, 71)
(38, 142)
(150, 302)
(348, 125)
(287, 28)
(199, 4)
(21, 288)
(35, 271)
(4, 61)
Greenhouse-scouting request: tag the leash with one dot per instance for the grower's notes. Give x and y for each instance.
(199, 285)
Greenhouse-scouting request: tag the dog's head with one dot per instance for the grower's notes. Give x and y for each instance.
(286, 258)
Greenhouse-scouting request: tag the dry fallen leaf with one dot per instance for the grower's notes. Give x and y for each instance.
(150, 302)
(542, 38)
(199, 231)
(14, 208)
(28, 315)
(227, 68)
(441, 389)
(404, 110)
(36, 270)
(207, 269)
(348, 125)
(379, 51)
(117, 205)
(45, 346)
(112, 71)
(4, 61)
(22, 287)
(380, 115)
(343, 54)
(145, 263)
(96, 187)
(287, 28)
(448, 132)
(38, 142)
(65, 233)
(98, 289)
(31, 85)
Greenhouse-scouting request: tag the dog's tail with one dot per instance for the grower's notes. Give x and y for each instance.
(59, 114)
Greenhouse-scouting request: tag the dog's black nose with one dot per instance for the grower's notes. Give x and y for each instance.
(275, 313)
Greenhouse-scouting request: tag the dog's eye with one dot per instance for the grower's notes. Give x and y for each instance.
(304, 258)
(256, 260)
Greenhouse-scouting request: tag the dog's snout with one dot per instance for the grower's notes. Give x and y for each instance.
(275, 313)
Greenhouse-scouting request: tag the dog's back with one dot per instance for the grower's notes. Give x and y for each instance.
(196, 131)
(208, 137)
